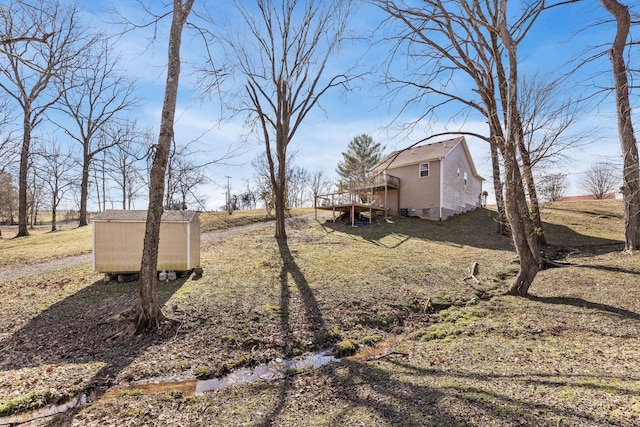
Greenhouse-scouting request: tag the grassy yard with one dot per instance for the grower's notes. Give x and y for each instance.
(43, 245)
(432, 352)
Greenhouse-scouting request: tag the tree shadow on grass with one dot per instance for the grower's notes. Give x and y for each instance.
(475, 229)
(582, 303)
(71, 332)
(291, 269)
(450, 397)
(312, 314)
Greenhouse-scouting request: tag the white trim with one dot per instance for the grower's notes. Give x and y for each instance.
(93, 245)
(189, 267)
(441, 185)
(420, 169)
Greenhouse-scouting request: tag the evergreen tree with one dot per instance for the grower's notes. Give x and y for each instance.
(361, 155)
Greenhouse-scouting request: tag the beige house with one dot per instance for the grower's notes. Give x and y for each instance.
(118, 237)
(436, 180)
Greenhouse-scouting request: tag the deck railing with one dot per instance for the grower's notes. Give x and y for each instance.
(335, 199)
(378, 180)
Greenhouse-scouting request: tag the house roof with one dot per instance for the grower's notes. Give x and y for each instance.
(424, 153)
(141, 216)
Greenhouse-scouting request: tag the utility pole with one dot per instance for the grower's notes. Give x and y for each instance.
(229, 194)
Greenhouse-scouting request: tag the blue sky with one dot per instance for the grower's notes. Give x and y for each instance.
(553, 41)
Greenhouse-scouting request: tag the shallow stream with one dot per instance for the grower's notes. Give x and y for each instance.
(277, 369)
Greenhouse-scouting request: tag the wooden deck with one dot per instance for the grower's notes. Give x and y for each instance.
(355, 210)
(351, 200)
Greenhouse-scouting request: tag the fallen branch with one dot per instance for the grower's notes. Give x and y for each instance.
(391, 353)
(475, 269)
(123, 315)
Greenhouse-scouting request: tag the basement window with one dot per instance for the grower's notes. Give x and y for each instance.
(424, 170)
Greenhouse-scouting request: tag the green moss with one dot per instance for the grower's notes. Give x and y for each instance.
(29, 402)
(345, 348)
(456, 314)
(329, 337)
(130, 392)
(135, 412)
(171, 395)
(371, 339)
(439, 331)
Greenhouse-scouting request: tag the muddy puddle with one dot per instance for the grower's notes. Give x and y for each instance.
(274, 370)
(271, 371)
(49, 411)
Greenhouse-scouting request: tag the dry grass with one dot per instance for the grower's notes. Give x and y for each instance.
(42, 245)
(566, 356)
(222, 220)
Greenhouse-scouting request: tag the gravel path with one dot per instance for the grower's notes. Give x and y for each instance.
(44, 267)
(78, 260)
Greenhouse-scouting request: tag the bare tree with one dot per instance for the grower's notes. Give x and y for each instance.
(184, 175)
(92, 96)
(54, 168)
(8, 198)
(552, 186)
(9, 149)
(297, 182)
(628, 145)
(35, 194)
(249, 197)
(600, 180)
(147, 313)
(319, 184)
(546, 120)
(283, 51)
(99, 168)
(32, 64)
(124, 157)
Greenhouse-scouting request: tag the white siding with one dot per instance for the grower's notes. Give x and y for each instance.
(457, 196)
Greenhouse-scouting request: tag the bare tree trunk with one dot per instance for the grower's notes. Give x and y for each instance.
(515, 199)
(84, 188)
(95, 178)
(503, 224)
(148, 313)
(22, 178)
(54, 213)
(631, 167)
(525, 158)
(280, 189)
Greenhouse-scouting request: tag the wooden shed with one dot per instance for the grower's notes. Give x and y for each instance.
(118, 237)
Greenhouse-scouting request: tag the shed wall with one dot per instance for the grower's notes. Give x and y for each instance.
(118, 246)
(194, 241)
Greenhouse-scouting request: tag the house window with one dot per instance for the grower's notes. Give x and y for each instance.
(458, 173)
(424, 169)
(465, 179)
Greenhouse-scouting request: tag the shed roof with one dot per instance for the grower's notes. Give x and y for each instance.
(117, 215)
